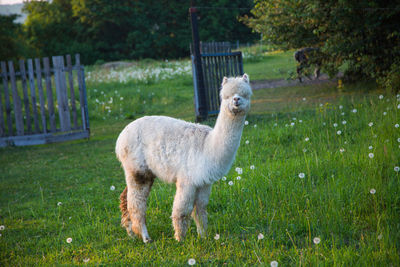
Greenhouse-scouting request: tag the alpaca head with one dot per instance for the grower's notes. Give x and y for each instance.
(235, 95)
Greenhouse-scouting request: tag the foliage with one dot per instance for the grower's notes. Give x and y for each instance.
(10, 38)
(364, 35)
(115, 30)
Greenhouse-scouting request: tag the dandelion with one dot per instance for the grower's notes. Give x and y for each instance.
(252, 167)
(275, 124)
(224, 178)
(260, 236)
(316, 240)
(381, 97)
(247, 142)
(246, 123)
(371, 155)
(121, 98)
(112, 188)
(398, 106)
(2, 227)
(344, 122)
(304, 99)
(370, 124)
(86, 260)
(230, 183)
(304, 150)
(69, 240)
(216, 237)
(340, 107)
(300, 121)
(398, 140)
(339, 132)
(191, 261)
(238, 178)
(321, 105)
(342, 113)
(59, 203)
(342, 150)
(372, 191)
(239, 170)
(302, 175)
(370, 147)
(307, 139)
(292, 124)
(396, 125)
(335, 125)
(384, 113)
(397, 169)
(255, 125)
(274, 264)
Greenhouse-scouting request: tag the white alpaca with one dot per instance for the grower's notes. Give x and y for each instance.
(192, 156)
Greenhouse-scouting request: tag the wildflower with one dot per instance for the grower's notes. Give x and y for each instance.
(69, 240)
(321, 105)
(252, 167)
(396, 125)
(191, 261)
(275, 124)
(342, 150)
(224, 178)
(342, 113)
(381, 97)
(344, 122)
(372, 191)
(59, 203)
(112, 188)
(370, 124)
(384, 113)
(86, 260)
(316, 240)
(335, 125)
(247, 142)
(302, 175)
(371, 155)
(238, 178)
(398, 106)
(216, 237)
(370, 147)
(300, 121)
(324, 123)
(294, 119)
(304, 150)
(230, 183)
(397, 169)
(339, 132)
(398, 140)
(246, 123)
(354, 111)
(292, 124)
(2, 227)
(255, 125)
(340, 107)
(306, 139)
(260, 236)
(380, 237)
(304, 99)
(239, 170)
(274, 264)
(121, 98)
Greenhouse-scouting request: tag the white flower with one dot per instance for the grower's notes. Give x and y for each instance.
(121, 98)
(247, 142)
(294, 119)
(255, 125)
(342, 150)
(59, 203)
(370, 147)
(246, 123)
(397, 169)
(398, 140)
(344, 122)
(191, 261)
(304, 99)
(260, 236)
(370, 124)
(304, 150)
(398, 106)
(69, 240)
(396, 125)
(335, 125)
(275, 124)
(380, 237)
(354, 111)
(371, 155)
(306, 139)
(339, 132)
(384, 113)
(239, 170)
(321, 105)
(2, 227)
(112, 188)
(86, 260)
(292, 124)
(381, 97)
(230, 183)
(316, 240)
(238, 178)
(342, 113)
(302, 175)
(274, 264)
(300, 121)
(224, 178)
(252, 167)
(372, 191)
(340, 107)
(216, 237)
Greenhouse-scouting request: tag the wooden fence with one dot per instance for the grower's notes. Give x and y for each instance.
(39, 115)
(215, 66)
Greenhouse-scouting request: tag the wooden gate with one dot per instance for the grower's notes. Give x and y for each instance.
(31, 113)
(215, 66)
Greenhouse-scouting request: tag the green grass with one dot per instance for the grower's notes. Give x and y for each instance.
(332, 202)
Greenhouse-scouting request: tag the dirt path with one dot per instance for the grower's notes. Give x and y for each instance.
(262, 84)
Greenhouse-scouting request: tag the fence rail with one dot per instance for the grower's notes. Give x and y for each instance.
(35, 114)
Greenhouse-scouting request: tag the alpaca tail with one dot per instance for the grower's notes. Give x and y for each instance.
(123, 206)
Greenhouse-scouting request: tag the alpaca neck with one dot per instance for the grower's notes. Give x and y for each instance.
(224, 139)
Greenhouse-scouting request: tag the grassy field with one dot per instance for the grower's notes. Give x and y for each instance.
(315, 182)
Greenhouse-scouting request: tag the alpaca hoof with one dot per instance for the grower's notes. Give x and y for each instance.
(147, 240)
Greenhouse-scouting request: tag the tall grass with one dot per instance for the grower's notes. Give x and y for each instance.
(296, 178)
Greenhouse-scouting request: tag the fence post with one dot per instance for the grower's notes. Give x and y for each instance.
(203, 109)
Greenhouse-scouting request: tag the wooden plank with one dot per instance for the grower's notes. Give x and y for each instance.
(25, 94)
(32, 86)
(39, 139)
(19, 120)
(195, 87)
(7, 98)
(50, 98)
(72, 92)
(63, 110)
(41, 94)
(82, 93)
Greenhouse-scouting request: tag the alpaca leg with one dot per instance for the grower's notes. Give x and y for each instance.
(138, 190)
(199, 213)
(182, 208)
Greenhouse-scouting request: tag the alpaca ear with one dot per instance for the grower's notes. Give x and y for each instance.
(246, 78)
(224, 80)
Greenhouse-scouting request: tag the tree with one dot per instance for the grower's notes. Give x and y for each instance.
(363, 34)
(10, 38)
